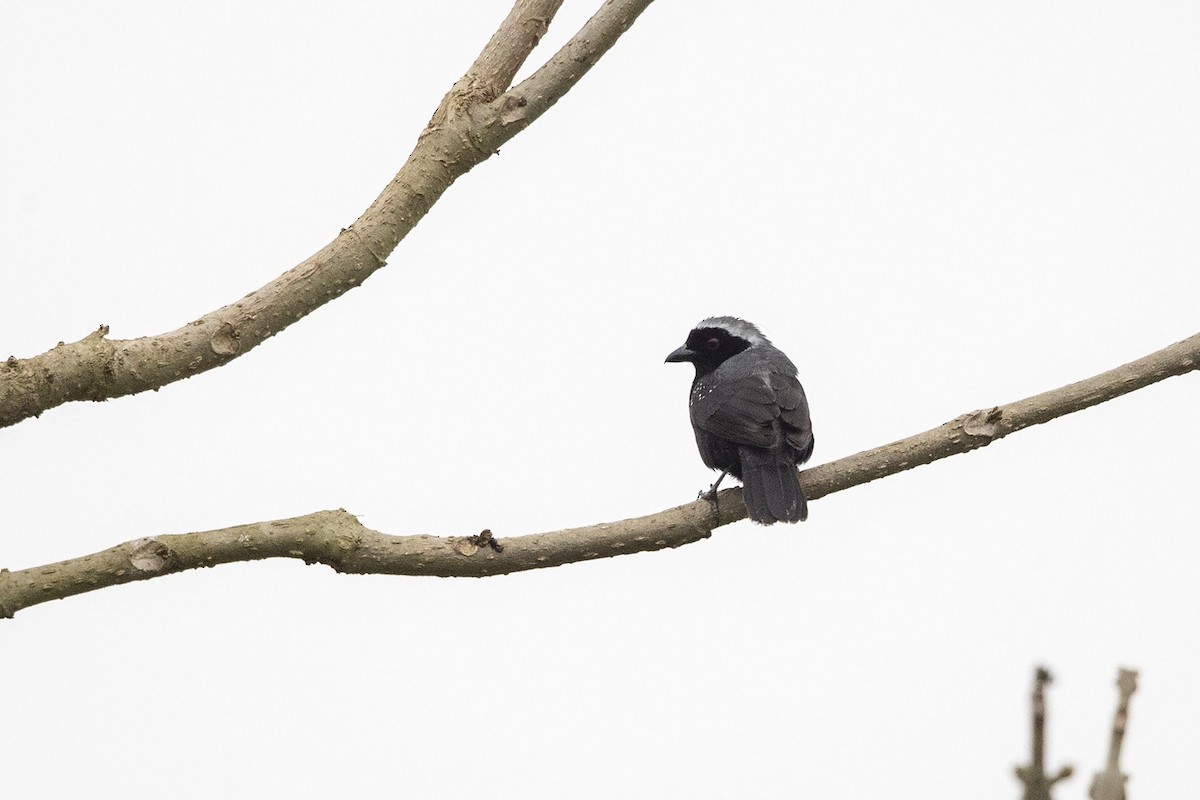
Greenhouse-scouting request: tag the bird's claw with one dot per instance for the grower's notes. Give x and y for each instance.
(714, 500)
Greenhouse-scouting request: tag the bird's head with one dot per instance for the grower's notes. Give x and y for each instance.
(716, 339)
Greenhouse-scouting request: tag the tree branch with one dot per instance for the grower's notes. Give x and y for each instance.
(474, 118)
(1038, 784)
(336, 538)
(509, 46)
(1109, 784)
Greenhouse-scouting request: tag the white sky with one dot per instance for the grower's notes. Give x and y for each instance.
(931, 207)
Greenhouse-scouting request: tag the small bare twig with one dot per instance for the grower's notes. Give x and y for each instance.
(1038, 784)
(1110, 783)
(336, 538)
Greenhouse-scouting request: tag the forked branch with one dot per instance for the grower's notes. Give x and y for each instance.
(476, 116)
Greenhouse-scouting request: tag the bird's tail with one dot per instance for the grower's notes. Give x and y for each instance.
(771, 486)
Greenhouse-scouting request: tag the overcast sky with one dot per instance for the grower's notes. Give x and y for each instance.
(931, 207)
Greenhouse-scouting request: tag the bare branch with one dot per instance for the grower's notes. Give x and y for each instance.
(532, 97)
(981, 428)
(1038, 785)
(469, 125)
(337, 538)
(510, 45)
(1109, 784)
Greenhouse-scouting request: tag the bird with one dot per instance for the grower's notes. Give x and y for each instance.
(750, 416)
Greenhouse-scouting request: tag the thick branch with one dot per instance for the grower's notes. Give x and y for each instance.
(337, 538)
(470, 124)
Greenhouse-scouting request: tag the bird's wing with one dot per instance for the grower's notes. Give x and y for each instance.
(793, 414)
(741, 411)
(757, 409)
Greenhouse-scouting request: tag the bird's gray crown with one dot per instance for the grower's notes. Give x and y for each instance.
(737, 327)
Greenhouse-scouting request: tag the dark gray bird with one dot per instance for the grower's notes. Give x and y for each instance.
(750, 415)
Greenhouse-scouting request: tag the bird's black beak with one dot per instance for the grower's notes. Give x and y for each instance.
(682, 354)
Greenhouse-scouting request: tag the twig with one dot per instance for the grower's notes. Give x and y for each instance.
(1038, 784)
(337, 539)
(1110, 783)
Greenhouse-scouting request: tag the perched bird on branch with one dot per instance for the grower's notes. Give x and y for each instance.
(750, 416)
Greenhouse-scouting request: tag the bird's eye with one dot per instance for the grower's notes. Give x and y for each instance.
(712, 344)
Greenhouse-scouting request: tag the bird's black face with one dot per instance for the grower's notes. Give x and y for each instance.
(708, 348)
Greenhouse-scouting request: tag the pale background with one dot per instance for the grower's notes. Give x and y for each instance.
(931, 207)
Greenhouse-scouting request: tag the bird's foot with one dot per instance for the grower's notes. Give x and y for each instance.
(710, 494)
(712, 497)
